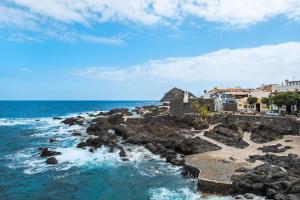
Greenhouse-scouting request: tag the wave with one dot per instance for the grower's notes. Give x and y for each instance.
(167, 194)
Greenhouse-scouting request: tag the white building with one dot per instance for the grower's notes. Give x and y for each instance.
(288, 86)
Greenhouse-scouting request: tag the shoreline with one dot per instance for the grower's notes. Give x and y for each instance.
(186, 146)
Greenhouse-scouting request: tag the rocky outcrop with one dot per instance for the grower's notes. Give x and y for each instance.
(263, 128)
(175, 93)
(45, 152)
(195, 145)
(51, 161)
(73, 121)
(227, 134)
(116, 119)
(277, 148)
(190, 171)
(278, 178)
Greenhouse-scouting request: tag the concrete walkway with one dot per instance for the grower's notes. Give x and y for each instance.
(220, 165)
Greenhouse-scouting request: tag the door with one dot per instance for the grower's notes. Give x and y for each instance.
(258, 107)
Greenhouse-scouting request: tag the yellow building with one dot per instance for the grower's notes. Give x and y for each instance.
(259, 94)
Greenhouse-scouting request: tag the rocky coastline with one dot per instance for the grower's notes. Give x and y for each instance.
(277, 177)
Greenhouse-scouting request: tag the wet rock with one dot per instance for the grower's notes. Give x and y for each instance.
(74, 121)
(91, 150)
(120, 131)
(122, 152)
(81, 145)
(57, 118)
(99, 127)
(248, 196)
(177, 162)
(51, 140)
(45, 152)
(76, 134)
(119, 111)
(51, 161)
(190, 171)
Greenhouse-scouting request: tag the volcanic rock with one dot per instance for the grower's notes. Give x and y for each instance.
(51, 161)
(47, 153)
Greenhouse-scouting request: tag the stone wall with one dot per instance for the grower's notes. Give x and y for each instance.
(288, 122)
(178, 108)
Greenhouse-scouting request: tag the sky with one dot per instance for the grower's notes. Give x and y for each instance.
(139, 49)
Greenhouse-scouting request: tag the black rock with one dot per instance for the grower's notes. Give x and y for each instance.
(47, 153)
(51, 161)
(73, 121)
(190, 171)
(116, 119)
(52, 140)
(122, 153)
(74, 133)
(91, 150)
(81, 145)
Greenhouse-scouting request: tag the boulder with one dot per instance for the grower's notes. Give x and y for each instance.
(73, 121)
(74, 133)
(116, 119)
(51, 161)
(45, 152)
(122, 152)
(81, 145)
(195, 145)
(52, 140)
(190, 171)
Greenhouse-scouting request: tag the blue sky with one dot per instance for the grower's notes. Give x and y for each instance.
(103, 50)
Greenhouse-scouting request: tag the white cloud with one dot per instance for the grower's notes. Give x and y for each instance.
(264, 64)
(149, 12)
(48, 16)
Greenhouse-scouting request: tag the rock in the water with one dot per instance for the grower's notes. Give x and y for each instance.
(73, 121)
(81, 145)
(47, 153)
(75, 133)
(122, 152)
(52, 140)
(51, 161)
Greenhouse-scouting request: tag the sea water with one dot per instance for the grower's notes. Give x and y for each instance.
(27, 125)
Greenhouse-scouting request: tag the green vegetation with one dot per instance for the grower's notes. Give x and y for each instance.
(252, 100)
(265, 100)
(285, 99)
(199, 109)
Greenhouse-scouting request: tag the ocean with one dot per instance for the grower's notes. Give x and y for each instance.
(80, 175)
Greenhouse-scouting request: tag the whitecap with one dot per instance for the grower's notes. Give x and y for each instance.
(167, 194)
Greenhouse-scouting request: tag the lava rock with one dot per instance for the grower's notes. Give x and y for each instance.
(190, 171)
(45, 152)
(81, 145)
(51, 161)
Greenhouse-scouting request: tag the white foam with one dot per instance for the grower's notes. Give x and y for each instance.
(14, 122)
(166, 194)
